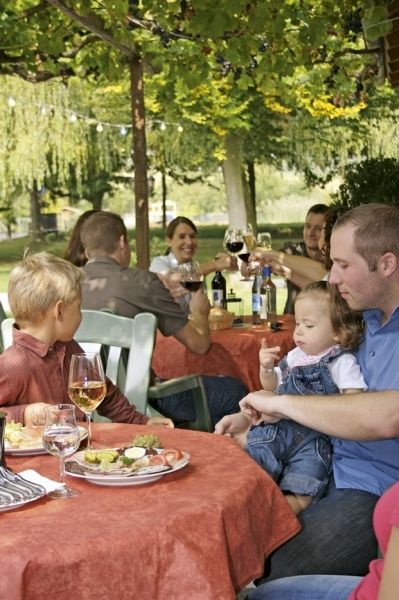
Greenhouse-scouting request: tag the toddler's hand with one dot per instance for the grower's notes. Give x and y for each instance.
(268, 356)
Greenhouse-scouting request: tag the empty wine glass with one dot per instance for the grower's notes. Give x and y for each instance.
(233, 240)
(61, 437)
(190, 276)
(87, 386)
(264, 240)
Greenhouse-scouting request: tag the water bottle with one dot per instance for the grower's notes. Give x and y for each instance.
(218, 285)
(256, 297)
(268, 310)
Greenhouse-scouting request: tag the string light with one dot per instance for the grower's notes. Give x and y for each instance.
(74, 116)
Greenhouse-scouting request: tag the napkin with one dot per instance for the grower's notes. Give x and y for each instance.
(35, 477)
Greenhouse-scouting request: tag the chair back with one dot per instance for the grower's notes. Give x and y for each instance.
(6, 332)
(126, 346)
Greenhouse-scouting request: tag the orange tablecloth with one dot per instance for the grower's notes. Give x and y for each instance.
(234, 352)
(199, 534)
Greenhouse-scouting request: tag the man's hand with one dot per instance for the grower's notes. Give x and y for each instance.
(233, 424)
(258, 406)
(199, 304)
(172, 283)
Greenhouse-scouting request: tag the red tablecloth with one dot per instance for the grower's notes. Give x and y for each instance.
(234, 352)
(199, 534)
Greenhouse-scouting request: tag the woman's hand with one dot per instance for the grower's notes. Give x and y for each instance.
(225, 262)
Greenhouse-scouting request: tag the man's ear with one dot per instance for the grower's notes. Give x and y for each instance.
(388, 264)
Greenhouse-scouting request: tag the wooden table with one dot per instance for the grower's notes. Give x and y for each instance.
(199, 534)
(234, 352)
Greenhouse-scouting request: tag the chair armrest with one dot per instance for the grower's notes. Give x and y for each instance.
(194, 383)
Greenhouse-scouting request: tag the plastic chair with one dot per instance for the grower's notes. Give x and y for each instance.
(127, 345)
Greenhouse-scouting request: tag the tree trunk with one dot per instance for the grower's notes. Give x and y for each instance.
(140, 163)
(164, 194)
(233, 182)
(35, 229)
(251, 202)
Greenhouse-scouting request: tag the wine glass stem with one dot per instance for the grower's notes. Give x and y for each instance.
(62, 468)
(88, 417)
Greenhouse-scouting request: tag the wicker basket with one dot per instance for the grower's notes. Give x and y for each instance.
(219, 318)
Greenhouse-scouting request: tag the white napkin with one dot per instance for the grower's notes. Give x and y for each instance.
(35, 477)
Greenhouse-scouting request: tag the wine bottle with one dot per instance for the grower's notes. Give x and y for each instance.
(218, 285)
(256, 297)
(268, 311)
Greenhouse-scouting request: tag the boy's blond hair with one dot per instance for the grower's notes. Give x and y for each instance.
(38, 282)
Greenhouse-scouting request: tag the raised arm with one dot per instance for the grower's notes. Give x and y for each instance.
(298, 269)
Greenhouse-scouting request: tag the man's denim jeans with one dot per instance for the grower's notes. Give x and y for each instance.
(337, 538)
(224, 394)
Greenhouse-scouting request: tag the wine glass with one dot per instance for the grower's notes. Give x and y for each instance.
(264, 240)
(190, 276)
(233, 240)
(87, 387)
(61, 437)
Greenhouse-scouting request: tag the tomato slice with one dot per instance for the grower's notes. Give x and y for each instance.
(157, 459)
(172, 455)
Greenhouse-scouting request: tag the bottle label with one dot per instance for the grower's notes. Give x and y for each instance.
(217, 298)
(256, 303)
(263, 307)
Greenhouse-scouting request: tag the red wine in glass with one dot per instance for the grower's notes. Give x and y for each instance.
(234, 247)
(244, 256)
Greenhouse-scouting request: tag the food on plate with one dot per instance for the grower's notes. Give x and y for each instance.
(17, 435)
(148, 440)
(132, 459)
(172, 455)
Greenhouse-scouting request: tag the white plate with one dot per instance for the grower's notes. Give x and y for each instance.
(19, 503)
(36, 450)
(145, 475)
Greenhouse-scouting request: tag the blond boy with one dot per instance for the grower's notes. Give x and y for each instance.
(44, 297)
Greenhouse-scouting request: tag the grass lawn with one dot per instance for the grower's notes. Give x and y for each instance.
(210, 243)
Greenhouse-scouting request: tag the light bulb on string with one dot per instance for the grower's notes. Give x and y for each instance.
(73, 118)
(123, 130)
(162, 126)
(180, 129)
(43, 110)
(11, 102)
(99, 128)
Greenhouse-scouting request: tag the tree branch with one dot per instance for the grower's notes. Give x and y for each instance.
(93, 26)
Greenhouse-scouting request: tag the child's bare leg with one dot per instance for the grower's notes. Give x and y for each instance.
(298, 503)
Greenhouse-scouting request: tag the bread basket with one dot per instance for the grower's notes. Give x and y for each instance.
(219, 318)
